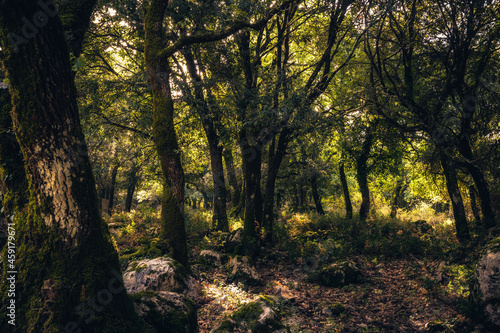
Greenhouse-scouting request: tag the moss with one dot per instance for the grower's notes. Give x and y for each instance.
(176, 320)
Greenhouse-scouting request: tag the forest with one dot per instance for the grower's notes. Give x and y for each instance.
(249, 166)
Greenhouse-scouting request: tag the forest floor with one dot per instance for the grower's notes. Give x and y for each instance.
(399, 295)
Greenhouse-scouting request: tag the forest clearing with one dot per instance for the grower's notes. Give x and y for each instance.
(249, 166)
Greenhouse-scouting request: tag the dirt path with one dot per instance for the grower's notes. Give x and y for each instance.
(394, 299)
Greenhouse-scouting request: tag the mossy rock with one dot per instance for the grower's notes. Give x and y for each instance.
(234, 243)
(337, 275)
(210, 258)
(241, 269)
(258, 316)
(166, 312)
(159, 274)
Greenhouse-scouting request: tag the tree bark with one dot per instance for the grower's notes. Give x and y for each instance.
(114, 173)
(275, 158)
(473, 203)
(209, 119)
(345, 189)
(164, 135)
(396, 200)
(231, 175)
(362, 175)
(455, 197)
(65, 260)
(481, 183)
(316, 197)
(131, 185)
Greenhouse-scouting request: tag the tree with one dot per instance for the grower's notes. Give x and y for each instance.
(431, 66)
(68, 271)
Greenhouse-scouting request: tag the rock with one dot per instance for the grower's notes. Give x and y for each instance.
(115, 225)
(337, 275)
(488, 281)
(241, 270)
(166, 312)
(234, 244)
(210, 258)
(160, 274)
(258, 316)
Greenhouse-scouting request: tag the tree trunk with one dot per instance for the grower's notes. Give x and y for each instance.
(396, 200)
(131, 184)
(231, 175)
(164, 135)
(473, 203)
(114, 173)
(481, 184)
(274, 163)
(253, 196)
(316, 197)
(209, 118)
(455, 197)
(345, 188)
(362, 175)
(67, 273)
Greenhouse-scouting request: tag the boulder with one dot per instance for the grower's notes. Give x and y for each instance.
(488, 281)
(234, 243)
(337, 275)
(210, 258)
(241, 270)
(160, 274)
(166, 312)
(258, 316)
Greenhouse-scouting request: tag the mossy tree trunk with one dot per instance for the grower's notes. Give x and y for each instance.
(67, 271)
(164, 135)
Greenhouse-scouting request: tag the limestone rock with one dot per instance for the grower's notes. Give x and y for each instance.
(211, 258)
(258, 316)
(234, 244)
(241, 270)
(160, 274)
(166, 312)
(488, 281)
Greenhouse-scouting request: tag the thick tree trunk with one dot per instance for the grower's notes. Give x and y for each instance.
(362, 175)
(67, 273)
(345, 189)
(316, 197)
(455, 197)
(164, 135)
(253, 195)
(131, 184)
